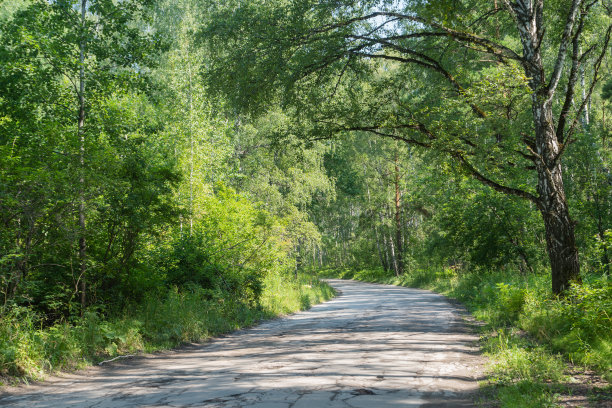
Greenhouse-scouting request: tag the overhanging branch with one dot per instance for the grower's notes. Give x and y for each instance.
(493, 184)
(490, 46)
(596, 69)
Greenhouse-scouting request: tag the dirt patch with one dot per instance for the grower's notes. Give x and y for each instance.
(587, 389)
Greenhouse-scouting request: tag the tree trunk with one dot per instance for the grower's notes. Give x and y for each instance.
(387, 262)
(393, 255)
(548, 144)
(376, 235)
(398, 222)
(561, 247)
(587, 107)
(81, 133)
(381, 255)
(559, 227)
(191, 154)
(320, 257)
(298, 258)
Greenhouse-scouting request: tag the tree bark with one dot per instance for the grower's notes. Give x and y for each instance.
(376, 235)
(191, 154)
(552, 202)
(81, 134)
(392, 249)
(399, 253)
(320, 257)
(388, 260)
(393, 256)
(547, 146)
(379, 249)
(585, 116)
(561, 245)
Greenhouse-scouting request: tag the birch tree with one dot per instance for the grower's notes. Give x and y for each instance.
(494, 87)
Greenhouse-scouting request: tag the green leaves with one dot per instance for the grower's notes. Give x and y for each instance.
(128, 175)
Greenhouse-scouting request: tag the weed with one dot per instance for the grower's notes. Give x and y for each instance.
(526, 394)
(191, 313)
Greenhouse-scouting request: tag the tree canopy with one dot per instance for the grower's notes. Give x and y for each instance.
(493, 88)
(154, 152)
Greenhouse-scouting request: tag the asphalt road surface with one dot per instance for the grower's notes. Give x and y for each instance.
(373, 346)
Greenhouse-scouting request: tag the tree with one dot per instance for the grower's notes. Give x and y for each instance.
(195, 125)
(73, 127)
(492, 88)
(285, 179)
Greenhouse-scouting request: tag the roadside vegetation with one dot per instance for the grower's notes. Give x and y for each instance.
(169, 169)
(470, 152)
(535, 342)
(135, 213)
(29, 349)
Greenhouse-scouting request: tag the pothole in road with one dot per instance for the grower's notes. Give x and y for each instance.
(362, 391)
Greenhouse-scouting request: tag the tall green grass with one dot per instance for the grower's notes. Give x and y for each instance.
(28, 350)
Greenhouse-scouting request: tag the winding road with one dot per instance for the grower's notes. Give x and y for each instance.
(373, 346)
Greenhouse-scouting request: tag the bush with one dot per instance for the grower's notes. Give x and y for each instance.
(191, 313)
(21, 350)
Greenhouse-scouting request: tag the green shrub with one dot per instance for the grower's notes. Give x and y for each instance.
(509, 301)
(191, 313)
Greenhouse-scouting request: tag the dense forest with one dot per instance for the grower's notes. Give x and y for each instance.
(172, 169)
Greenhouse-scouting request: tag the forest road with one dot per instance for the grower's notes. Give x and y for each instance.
(373, 346)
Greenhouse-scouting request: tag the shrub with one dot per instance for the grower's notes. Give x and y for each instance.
(190, 313)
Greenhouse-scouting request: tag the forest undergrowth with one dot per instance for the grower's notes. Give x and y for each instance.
(539, 347)
(29, 350)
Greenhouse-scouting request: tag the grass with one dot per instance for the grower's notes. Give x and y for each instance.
(530, 336)
(28, 350)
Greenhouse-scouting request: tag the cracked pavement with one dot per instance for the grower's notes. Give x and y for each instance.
(373, 346)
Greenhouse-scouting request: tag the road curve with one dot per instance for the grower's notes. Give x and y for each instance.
(373, 346)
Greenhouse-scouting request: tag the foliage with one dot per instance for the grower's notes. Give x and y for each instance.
(184, 236)
(115, 171)
(29, 350)
(218, 155)
(485, 104)
(232, 246)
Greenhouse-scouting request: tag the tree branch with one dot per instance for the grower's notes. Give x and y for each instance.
(571, 84)
(493, 184)
(491, 46)
(564, 43)
(427, 62)
(596, 69)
